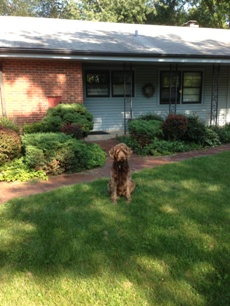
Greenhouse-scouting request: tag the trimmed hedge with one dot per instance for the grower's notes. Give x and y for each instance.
(62, 115)
(56, 153)
(145, 131)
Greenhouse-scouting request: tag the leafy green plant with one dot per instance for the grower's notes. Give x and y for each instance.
(223, 132)
(210, 138)
(17, 170)
(61, 115)
(10, 145)
(164, 147)
(144, 131)
(175, 126)
(159, 147)
(56, 153)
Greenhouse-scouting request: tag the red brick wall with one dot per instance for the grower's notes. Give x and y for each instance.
(29, 83)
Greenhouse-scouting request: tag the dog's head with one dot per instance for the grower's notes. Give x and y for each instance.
(120, 152)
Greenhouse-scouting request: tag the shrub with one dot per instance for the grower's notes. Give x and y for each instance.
(151, 116)
(17, 170)
(196, 130)
(56, 153)
(144, 131)
(73, 129)
(210, 138)
(159, 147)
(223, 132)
(10, 145)
(9, 124)
(175, 127)
(59, 116)
(164, 147)
(31, 128)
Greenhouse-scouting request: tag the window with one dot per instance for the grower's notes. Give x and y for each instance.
(97, 84)
(182, 87)
(169, 87)
(192, 83)
(122, 82)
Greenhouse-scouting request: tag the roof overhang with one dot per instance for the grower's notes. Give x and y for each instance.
(18, 53)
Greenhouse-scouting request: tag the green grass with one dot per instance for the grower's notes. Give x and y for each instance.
(170, 246)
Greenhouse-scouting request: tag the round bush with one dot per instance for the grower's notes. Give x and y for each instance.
(175, 127)
(145, 131)
(61, 115)
(10, 145)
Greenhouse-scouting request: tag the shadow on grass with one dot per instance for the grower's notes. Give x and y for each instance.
(172, 242)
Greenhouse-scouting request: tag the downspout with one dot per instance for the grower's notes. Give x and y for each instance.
(2, 93)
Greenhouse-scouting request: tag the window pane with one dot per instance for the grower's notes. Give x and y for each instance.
(192, 79)
(97, 84)
(191, 98)
(118, 78)
(192, 85)
(169, 87)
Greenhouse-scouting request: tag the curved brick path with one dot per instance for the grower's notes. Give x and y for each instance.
(20, 189)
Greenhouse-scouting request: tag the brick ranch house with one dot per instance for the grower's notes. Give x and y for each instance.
(118, 71)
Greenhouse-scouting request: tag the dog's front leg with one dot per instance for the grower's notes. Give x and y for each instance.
(114, 195)
(113, 190)
(128, 193)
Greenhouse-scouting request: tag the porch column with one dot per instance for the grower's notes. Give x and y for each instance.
(2, 93)
(215, 94)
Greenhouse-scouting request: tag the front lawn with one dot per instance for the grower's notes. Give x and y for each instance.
(170, 246)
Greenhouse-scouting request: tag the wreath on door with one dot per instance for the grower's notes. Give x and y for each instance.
(148, 90)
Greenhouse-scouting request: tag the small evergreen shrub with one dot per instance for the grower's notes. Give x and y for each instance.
(31, 128)
(56, 153)
(151, 116)
(9, 124)
(175, 127)
(59, 116)
(144, 131)
(10, 145)
(73, 129)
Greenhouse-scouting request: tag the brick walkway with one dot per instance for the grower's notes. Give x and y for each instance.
(21, 189)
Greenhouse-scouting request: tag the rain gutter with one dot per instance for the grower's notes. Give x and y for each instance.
(108, 57)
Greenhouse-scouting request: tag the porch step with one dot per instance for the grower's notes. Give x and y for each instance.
(99, 135)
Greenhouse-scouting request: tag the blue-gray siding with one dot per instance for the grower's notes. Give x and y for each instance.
(109, 112)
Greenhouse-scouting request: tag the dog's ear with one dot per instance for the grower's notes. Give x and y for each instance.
(128, 151)
(111, 152)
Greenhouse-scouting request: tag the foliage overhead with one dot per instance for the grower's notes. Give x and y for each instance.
(215, 13)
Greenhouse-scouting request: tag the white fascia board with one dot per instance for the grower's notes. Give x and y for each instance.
(117, 58)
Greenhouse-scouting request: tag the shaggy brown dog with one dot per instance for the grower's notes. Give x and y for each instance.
(120, 183)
